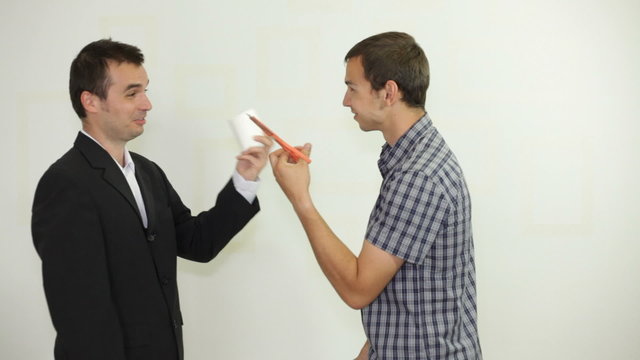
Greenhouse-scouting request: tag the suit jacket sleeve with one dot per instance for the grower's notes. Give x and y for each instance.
(200, 238)
(68, 238)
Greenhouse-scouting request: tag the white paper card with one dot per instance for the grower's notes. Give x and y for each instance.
(245, 129)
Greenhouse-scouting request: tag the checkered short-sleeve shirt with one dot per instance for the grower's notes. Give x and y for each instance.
(423, 215)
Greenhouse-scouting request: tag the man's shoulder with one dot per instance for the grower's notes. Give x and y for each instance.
(433, 160)
(138, 158)
(68, 173)
(430, 157)
(143, 163)
(69, 162)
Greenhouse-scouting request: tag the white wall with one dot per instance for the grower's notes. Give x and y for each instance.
(539, 100)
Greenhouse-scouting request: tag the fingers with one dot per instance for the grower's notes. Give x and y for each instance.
(275, 156)
(259, 150)
(306, 149)
(255, 161)
(282, 155)
(265, 140)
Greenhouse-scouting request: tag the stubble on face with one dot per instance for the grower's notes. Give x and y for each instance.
(364, 102)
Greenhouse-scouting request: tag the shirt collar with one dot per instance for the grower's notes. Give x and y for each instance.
(390, 156)
(128, 162)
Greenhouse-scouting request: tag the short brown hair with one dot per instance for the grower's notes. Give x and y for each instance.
(90, 69)
(395, 56)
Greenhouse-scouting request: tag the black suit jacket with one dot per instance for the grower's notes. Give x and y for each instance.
(110, 283)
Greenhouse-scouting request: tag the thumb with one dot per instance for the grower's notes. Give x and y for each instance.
(306, 149)
(273, 157)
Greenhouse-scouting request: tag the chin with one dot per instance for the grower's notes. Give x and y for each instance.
(135, 134)
(364, 127)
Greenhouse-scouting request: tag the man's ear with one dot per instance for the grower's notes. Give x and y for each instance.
(90, 102)
(392, 92)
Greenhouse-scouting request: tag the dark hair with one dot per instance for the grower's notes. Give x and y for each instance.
(395, 56)
(90, 69)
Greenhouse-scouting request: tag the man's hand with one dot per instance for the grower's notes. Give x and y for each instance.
(253, 160)
(293, 177)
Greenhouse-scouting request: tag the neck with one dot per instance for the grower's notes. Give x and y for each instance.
(400, 123)
(115, 149)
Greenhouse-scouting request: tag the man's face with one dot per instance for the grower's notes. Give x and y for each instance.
(366, 103)
(122, 114)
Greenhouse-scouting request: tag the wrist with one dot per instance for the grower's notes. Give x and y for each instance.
(303, 205)
(248, 175)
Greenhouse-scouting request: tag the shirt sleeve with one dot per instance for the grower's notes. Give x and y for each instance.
(408, 216)
(248, 189)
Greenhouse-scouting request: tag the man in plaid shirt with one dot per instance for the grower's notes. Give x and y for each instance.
(414, 278)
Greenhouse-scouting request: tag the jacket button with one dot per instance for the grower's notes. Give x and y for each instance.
(175, 324)
(151, 237)
(165, 281)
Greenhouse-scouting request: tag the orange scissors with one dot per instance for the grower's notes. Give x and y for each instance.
(293, 152)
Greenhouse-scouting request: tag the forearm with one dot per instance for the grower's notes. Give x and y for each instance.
(357, 279)
(336, 260)
(202, 237)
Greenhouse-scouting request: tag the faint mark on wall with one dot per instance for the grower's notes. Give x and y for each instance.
(139, 31)
(298, 47)
(558, 185)
(220, 94)
(316, 6)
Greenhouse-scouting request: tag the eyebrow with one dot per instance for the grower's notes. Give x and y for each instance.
(132, 86)
(135, 86)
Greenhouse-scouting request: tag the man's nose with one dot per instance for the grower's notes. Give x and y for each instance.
(146, 103)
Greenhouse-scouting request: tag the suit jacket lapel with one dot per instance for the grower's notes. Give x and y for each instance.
(98, 158)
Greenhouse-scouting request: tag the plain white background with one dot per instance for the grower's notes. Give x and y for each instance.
(538, 99)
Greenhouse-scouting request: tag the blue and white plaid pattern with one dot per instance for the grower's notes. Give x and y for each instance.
(423, 215)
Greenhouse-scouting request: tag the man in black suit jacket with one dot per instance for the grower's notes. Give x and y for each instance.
(108, 225)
